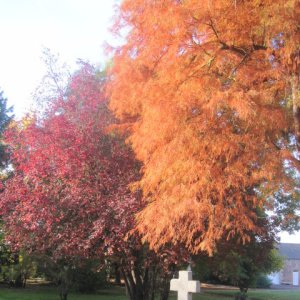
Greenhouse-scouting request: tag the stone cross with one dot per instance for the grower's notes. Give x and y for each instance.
(185, 285)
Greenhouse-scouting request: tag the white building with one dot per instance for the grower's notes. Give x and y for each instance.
(290, 273)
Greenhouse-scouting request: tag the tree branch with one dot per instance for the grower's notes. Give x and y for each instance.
(239, 50)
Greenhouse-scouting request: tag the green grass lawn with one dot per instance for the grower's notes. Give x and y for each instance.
(46, 293)
(252, 295)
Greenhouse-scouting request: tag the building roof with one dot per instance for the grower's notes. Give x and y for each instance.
(289, 251)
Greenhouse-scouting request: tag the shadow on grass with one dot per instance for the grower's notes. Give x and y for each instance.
(118, 293)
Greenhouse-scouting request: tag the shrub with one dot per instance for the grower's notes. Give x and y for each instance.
(263, 281)
(87, 279)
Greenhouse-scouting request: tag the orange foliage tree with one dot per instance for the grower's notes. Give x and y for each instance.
(210, 93)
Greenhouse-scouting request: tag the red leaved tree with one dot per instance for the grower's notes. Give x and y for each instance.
(69, 196)
(206, 89)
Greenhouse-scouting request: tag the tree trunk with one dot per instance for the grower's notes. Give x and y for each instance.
(64, 287)
(241, 296)
(153, 281)
(128, 284)
(243, 293)
(139, 286)
(63, 292)
(165, 288)
(24, 281)
(63, 296)
(19, 281)
(117, 274)
(295, 84)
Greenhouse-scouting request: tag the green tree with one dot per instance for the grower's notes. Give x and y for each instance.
(18, 268)
(242, 265)
(5, 118)
(6, 257)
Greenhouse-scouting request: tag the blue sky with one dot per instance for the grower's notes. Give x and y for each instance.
(73, 28)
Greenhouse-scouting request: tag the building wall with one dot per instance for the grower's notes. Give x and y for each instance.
(287, 273)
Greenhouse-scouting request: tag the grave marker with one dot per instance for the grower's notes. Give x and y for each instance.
(185, 285)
